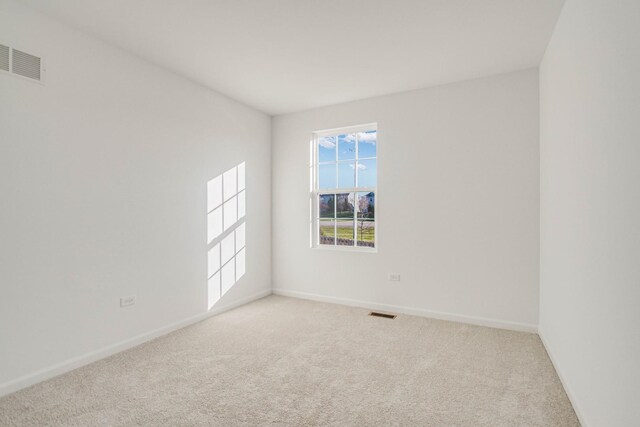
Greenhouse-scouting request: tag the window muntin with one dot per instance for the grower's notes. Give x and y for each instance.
(344, 191)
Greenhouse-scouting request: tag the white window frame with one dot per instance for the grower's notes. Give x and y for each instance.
(315, 192)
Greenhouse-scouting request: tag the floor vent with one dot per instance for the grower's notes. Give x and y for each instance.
(386, 316)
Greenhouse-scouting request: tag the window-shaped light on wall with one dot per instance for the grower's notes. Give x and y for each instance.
(226, 231)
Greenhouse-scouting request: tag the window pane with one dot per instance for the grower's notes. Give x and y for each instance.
(366, 230)
(366, 205)
(367, 173)
(365, 225)
(326, 205)
(346, 175)
(327, 232)
(347, 147)
(327, 149)
(344, 232)
(344, 206)
(367, 144)
(327, 176)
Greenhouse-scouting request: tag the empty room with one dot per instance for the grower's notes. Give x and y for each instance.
(320, 213)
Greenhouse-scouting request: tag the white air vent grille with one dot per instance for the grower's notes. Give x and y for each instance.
(4, 57)
(19, 63)
(26, 65)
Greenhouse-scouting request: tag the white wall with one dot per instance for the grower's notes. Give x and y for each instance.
(590, 208)
(103, 174)
(458, 211)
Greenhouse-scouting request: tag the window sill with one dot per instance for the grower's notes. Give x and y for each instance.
(357, 249)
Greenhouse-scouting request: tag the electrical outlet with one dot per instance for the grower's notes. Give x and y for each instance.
(394, 277)
(127, 301)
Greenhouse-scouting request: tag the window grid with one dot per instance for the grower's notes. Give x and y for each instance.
(356, 190)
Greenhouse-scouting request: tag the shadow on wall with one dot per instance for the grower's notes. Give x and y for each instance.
(226, 209)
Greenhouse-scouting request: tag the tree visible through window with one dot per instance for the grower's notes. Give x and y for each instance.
(344, 177)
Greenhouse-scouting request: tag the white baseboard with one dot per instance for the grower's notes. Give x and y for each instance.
(84, 359)
(563, 379)
(481, 321)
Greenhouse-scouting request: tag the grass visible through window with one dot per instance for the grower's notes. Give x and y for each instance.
(366, 232)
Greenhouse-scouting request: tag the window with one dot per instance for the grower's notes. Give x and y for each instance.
(343, 190)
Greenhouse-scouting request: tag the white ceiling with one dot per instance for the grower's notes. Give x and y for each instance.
(288, 55)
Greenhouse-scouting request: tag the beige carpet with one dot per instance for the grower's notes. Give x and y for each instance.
(284, 361)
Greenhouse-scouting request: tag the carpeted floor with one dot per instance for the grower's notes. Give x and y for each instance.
(284, 361)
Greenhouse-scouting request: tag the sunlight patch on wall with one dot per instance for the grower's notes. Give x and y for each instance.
(226, 232)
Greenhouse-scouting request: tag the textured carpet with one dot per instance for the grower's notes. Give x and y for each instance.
(284, 361)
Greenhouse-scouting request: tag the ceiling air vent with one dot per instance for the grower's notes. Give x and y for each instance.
(25, 65)
(4, 57)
